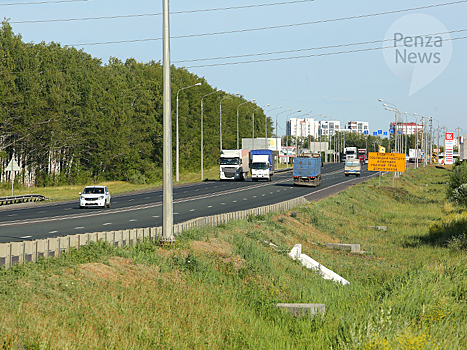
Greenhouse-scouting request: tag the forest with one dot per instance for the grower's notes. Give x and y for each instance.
(69, 118)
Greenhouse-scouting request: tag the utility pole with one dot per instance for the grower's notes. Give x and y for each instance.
(167, 186)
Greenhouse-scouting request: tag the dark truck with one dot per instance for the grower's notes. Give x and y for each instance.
(307, 170)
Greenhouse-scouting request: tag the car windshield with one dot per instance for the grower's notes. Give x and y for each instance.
(93, 190)
(260, 166)
(229, 161)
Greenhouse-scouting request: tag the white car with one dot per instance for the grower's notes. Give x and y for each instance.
(95, 196)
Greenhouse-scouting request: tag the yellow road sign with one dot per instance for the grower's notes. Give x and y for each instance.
(386, 162)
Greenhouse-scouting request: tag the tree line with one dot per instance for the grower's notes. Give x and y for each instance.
(68, 118)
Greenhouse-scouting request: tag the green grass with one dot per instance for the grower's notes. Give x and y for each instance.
(216, 288)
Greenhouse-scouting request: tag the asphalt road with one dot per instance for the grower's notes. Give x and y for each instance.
(144, 209)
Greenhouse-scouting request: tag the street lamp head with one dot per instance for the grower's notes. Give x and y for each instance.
(198, 84)
(380, 100)
(253, 100)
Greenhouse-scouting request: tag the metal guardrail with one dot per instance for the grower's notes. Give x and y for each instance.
(22, 199)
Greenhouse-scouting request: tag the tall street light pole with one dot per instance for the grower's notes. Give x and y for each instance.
(277, 145)
(253, 125)
(167, 186)
(287, 132)
(238, 135)
(202, 156)
(266, 127)
(177, 153)
(220, 121)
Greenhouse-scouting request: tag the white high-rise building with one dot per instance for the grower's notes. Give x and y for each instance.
(358, 126)
(327, 127)
(301, 127)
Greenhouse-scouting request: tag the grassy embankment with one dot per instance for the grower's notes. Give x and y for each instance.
(216, 288)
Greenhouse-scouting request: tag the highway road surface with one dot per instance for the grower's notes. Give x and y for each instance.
(144, 209)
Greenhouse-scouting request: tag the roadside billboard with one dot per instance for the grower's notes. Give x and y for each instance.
(449, 148)
(392, 162)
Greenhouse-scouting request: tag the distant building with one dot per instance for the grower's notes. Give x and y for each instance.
(357, 126)
(327, 127)
(301, 127)
(406, 128)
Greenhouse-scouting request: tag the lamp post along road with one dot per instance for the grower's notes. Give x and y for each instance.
(253, 125)
(266, 146)
(202, 157)
(238, 135)
(277, 134)
(177, 152)
(167, 188)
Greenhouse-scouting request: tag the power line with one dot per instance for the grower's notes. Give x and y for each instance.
(309, 49)
(158, 13)
(41, 2)
(304, 56)
(278, 26)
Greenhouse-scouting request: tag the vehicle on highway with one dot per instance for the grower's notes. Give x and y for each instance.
(351, 153)
(307, 170)
(352, 167)
(95, 196)
(234, 164)
(262, 164)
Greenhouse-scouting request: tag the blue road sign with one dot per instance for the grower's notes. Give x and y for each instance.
(385, 133)
(375, 133)
(366, 132)
(380, 132)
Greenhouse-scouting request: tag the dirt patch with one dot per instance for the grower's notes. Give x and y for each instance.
(303, 229)
(99, 271)
(214, 245)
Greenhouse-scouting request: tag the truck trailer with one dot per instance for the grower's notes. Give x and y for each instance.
(307, 170)
(233, 164)
(262, 164)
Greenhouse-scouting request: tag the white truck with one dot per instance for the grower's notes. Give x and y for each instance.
(351, 153)
(233, 164)
(262, 164)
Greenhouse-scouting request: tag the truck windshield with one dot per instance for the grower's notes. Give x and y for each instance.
(259, 166)
(229, 161)
(352, 163)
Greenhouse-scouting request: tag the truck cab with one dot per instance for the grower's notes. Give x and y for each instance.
(352, 167)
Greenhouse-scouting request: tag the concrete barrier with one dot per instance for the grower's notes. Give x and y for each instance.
(309, 263)
(26, 251)
(303, 309)
(344, 246)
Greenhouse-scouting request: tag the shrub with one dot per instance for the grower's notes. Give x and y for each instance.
(457, 184)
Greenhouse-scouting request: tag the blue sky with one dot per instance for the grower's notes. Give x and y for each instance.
(344, 86)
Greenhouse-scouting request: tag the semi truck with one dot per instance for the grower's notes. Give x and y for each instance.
(307, 170)
(262, 164)
(350, 153)
(362, 155)
(233, 164)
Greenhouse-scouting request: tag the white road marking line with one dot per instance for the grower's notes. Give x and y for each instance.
(175, 213)
(131, 200)
(26, 237)
(197, 190)
(223, 203)
(53, 231)
(254, 196)
(147, 197)
(41, 212)
(245, 199)
(262, 195)
(79, 227)
(107, 223)
(192, 209)
(67, 208)
(132, 220)
(234, 201)
(13, 215)
(155, 216)
(209, 206)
